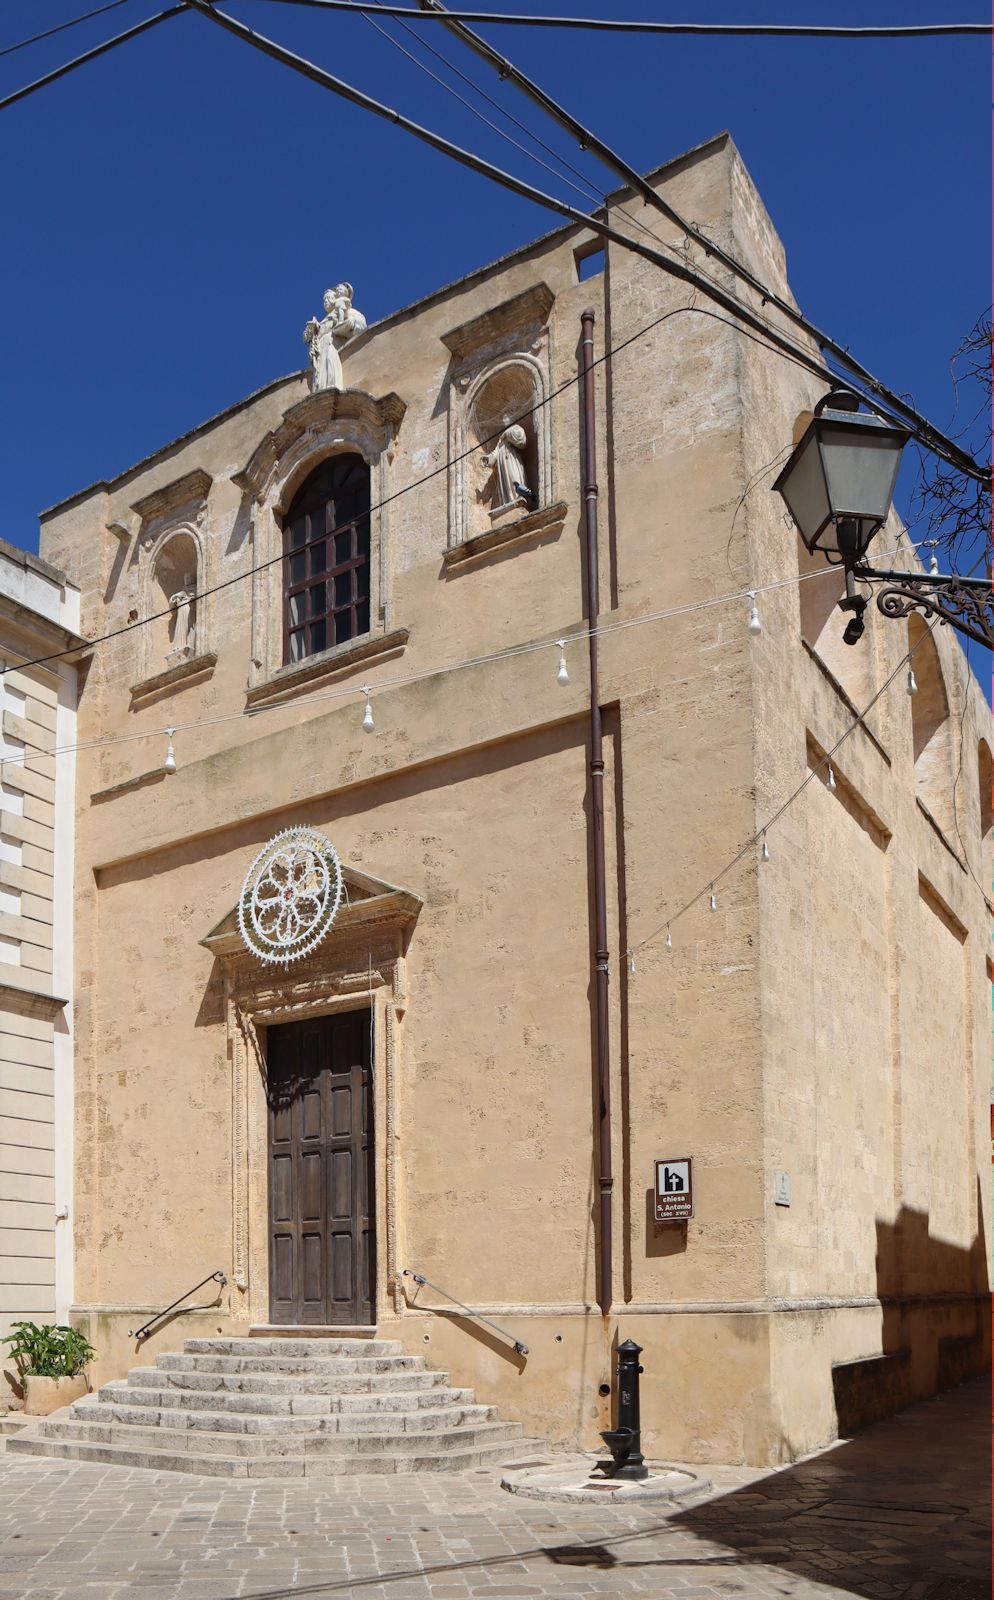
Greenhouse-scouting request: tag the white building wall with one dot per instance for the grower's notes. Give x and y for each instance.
(37, 713)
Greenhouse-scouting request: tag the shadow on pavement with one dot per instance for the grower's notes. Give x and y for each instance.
(900, 1513)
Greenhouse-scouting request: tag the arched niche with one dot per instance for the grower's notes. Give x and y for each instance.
(503, 401)
(931, 726)
(174, 580)
(985, 777)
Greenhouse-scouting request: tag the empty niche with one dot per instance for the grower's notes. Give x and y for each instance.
(822, 626)
(985, 774)
(172, 602)
(931, 726)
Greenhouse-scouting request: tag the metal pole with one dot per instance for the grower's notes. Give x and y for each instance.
(604, 1170)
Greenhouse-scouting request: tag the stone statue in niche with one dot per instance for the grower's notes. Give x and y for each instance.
(325, 338)
(508, 483)
(182, 604)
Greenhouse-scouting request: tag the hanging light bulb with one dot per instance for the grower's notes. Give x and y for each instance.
(169, 765)
(764, 854)
(631, 964)
(912, 681)
(368, 725)
(562, 676)
(933, 565)
(669, 940)
(712, 902)
(831, 783)
(755, 626)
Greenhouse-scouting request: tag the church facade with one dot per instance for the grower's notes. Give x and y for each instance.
(336, 965)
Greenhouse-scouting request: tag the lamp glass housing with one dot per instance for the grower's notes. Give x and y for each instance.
(843, 470)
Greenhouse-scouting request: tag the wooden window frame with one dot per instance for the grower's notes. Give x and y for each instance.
(342, 619)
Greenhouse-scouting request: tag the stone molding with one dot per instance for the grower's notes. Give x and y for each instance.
(513, 536)
(320, 425)
(30, 1002)
(532, 306)
(198, 666)
(192, 487)
(331, 664)
(360, 962)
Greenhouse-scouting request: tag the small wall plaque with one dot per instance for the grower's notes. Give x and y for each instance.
(674, 1189)
(781, 1188)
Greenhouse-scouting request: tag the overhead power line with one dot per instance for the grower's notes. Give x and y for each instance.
(754, 30)
(936, 441)
(61, 27)
(91, 55)
(588, 140)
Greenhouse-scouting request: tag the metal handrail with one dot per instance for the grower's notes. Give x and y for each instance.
(143, 1332)
(421, 1280)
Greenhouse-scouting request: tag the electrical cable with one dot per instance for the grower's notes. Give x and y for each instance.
(760, 833)
(929, 435)
(350, 691)
(91, 55)
(444, 466)
(756, 30)
(8, 50)
(589, 141)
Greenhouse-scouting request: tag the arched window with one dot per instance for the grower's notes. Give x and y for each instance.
(326, 571)
(985, 773)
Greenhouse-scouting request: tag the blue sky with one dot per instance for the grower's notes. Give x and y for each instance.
(173, 211)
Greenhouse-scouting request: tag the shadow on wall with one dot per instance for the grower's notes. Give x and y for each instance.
(902, 1510)
(928, 1342)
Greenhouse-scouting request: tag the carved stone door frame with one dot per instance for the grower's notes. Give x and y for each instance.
(359, 965)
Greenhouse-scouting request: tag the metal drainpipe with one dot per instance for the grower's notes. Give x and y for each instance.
(589, 470)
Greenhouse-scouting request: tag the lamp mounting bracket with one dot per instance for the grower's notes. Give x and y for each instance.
(967, 604)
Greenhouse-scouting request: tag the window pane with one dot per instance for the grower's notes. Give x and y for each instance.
(343, 547)
(317, 637)
(343, 626)
(362, 581)
(298, 532)
(296, 607)
(318, 521)
(362, 618)
(317, 556)
(362, 540)
(318, 597)
(298, 568)
(343, 589)
(297, 646)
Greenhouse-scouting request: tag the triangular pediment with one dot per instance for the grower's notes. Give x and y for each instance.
(366, 901)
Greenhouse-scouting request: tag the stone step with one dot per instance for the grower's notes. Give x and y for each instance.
(433, 1419)
(331, 1366)
(316, 1347)
(461, 1459)
(281, 1383)
(204, 1441)
(291, 1404)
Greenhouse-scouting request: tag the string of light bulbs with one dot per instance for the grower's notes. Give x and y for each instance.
(759, 837)
(366, 691)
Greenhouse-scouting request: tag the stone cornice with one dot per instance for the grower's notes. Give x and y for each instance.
(526, 310)
(367, 903)
(200, 666)
(29, 1002)
(192, 487)
(325, 668)
(377, 420)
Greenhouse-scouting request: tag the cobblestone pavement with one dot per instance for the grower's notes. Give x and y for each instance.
(901, 1511)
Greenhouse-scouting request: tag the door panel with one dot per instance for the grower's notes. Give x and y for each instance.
(321, 1193)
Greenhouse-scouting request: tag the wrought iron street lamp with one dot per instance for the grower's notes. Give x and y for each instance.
(838, 486)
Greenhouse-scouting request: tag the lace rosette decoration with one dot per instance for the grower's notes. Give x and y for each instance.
(290, 896)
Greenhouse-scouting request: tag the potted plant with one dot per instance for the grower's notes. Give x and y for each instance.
(51, 1361)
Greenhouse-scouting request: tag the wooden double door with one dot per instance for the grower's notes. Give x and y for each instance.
(322, 1235)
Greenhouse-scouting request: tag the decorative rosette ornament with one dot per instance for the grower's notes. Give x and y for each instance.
(290, 896)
